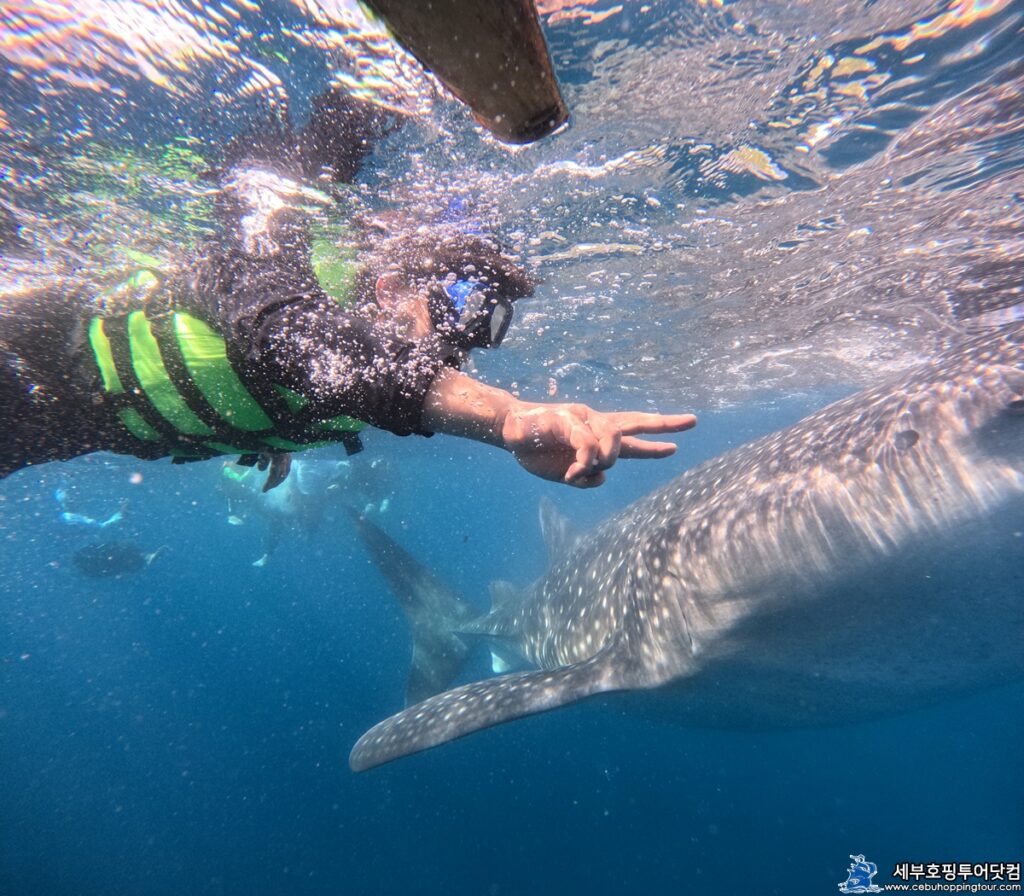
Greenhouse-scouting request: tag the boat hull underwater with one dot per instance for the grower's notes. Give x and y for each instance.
(867, 560)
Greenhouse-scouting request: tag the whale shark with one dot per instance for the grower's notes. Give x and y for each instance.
(867, 560)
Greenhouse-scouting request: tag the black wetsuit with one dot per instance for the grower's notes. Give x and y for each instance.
(278, 324)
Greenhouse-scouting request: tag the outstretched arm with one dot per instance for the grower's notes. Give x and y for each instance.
(569, 443)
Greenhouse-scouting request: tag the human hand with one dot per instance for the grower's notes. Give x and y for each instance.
(575, 444)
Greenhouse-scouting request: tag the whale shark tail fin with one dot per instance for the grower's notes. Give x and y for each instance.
(483, 704)
(431, 607)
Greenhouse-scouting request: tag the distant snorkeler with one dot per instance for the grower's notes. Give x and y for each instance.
(302, 501)
(273, 337)
(70, 518)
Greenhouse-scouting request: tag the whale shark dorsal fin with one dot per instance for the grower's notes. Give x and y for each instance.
(559, 535)
(502, 593)
(483, 704)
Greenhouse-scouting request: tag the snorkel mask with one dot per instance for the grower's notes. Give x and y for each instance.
(469, 314)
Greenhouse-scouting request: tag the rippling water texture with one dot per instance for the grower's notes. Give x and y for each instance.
(755, 204)
(852, 173)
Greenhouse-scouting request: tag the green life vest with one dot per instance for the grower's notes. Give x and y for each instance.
(174, 386)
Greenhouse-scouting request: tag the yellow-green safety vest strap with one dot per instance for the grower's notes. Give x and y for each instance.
(177, 384)
(335, 269)
(206, 357)
(114, 385)
(104, 357)
(151, 372)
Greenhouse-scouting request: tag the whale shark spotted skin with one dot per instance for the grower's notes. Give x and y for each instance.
(867, 560)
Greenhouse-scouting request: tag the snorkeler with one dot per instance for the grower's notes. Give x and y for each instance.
(258, 349)
(72, 518)
(110, 558)
(302, 501)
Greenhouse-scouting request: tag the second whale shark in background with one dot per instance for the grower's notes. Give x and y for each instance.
(866, 560)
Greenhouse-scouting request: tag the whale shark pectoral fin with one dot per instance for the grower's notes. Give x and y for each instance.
(483, 704)
(499, 664)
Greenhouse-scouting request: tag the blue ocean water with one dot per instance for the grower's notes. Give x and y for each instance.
(186, 729)
(751, 215)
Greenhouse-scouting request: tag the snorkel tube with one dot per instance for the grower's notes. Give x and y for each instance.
(490, 53)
